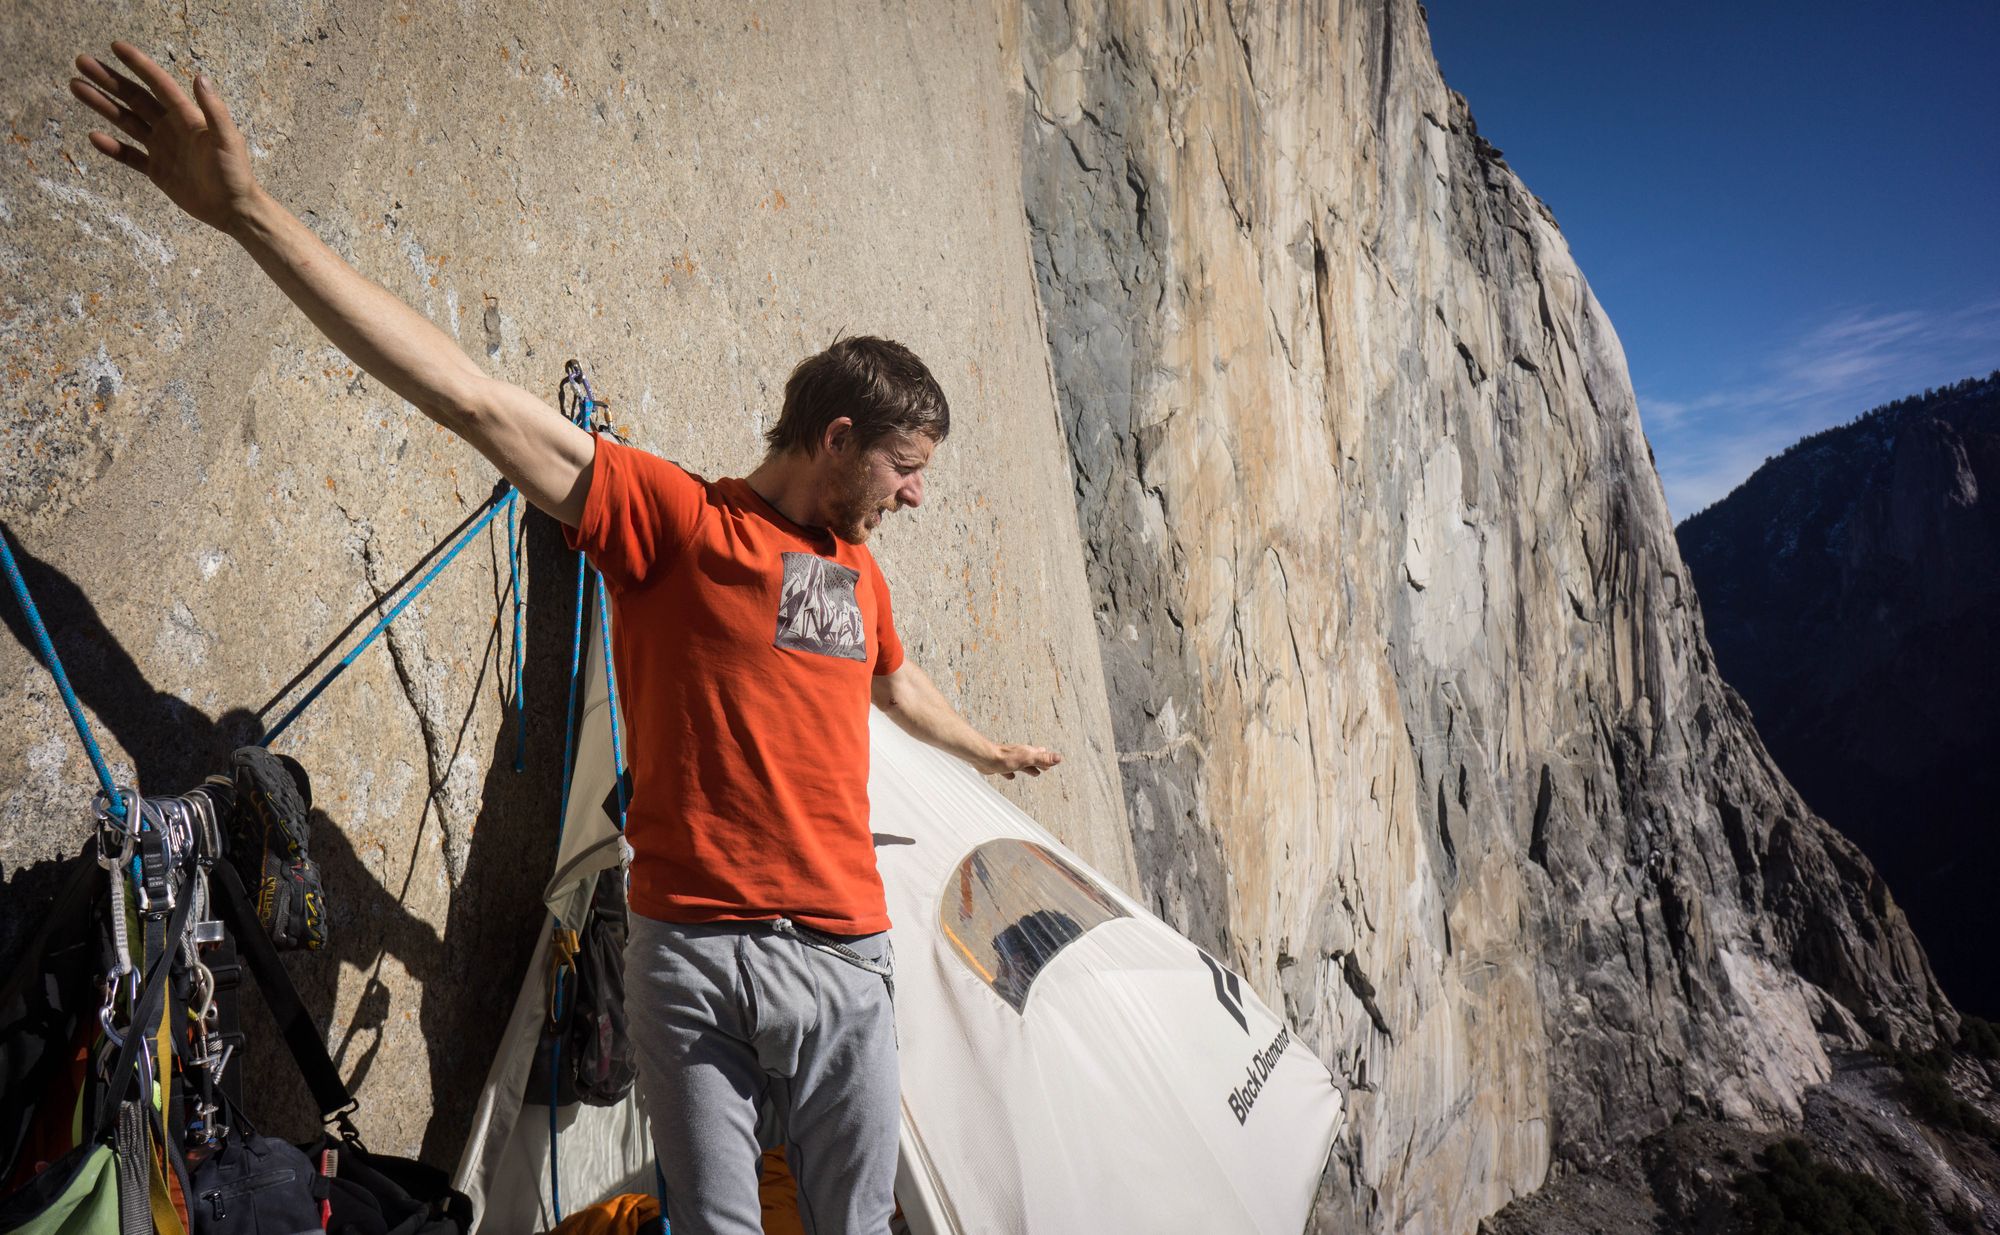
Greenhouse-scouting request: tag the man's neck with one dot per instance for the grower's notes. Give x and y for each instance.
(786, 482)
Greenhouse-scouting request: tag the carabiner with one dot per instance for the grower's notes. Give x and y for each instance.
(107, 1013)
(101, 805)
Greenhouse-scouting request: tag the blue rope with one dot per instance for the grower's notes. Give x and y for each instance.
(520, 616)
(660, 1179)
(575, 674)
(579, 409)
(588, 404)
(493, 508)
(611, 687)
(566, 399)
(55, 667)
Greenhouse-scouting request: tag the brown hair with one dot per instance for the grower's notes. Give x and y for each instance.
(878, 384)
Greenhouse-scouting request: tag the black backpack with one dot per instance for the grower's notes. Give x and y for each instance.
(256, 1185)
(380, 1195)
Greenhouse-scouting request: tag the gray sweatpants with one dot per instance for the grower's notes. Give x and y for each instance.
(736, 1018)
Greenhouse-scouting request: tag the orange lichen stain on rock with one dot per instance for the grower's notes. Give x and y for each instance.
(14, 135)
(330, 486)
(684, 264)
(402, 19)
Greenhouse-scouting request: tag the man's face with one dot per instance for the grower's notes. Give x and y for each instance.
(868, 483)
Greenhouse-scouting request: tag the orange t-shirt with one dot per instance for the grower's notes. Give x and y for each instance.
(744, 645)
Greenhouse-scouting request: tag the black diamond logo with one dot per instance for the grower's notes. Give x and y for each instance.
(1227, 992)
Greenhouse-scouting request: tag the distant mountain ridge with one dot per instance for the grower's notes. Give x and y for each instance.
(1851, 589)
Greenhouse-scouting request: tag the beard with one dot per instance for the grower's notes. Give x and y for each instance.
(856, 510)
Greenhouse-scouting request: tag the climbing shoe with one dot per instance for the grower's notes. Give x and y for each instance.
(268, 845)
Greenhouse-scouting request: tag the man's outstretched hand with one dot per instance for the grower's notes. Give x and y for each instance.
(1008, 760)
(190, 148)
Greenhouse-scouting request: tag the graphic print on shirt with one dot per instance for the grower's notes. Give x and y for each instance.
(817, 611)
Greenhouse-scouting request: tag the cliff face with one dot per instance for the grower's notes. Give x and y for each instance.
(1265, 365)
(1851, 588)
(206, 493)
(1413, 706)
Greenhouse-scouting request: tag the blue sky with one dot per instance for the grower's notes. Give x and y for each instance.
(1791, 211)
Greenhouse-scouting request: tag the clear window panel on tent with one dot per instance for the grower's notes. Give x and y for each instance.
(1011, 906)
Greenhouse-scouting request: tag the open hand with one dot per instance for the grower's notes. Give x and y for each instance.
(190, 148)
(1008, 760)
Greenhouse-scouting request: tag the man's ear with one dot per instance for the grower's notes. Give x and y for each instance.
(839, 435)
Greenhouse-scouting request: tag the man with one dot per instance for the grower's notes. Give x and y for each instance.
(753, 629)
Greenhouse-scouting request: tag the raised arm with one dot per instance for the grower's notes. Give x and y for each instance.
(192, 150)
(913, 701)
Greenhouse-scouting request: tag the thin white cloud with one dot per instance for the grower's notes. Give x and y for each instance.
(1826, 373)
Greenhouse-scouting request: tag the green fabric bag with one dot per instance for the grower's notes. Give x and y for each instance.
(76, 1195)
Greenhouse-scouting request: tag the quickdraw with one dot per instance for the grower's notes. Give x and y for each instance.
(114, 857)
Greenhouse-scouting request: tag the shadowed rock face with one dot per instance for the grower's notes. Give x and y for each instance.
(1852, 588)
(1409, 710)
(1413, 706)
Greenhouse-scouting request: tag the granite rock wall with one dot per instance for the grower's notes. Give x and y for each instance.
(1413, 706)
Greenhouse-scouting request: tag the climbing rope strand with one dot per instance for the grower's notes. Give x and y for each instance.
(514, 534)
(54, 663)
(577, 409)
(611, 692)
(569, 715)
(493, 508)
